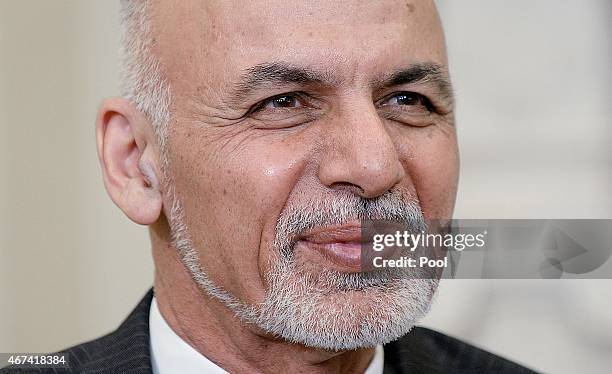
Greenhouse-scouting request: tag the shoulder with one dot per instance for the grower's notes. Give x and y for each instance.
(125, 350)
(426, 351)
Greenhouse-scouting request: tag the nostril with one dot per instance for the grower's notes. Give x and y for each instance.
(348, 187)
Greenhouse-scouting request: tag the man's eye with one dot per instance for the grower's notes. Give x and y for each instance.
(281, 101)
(407, 99)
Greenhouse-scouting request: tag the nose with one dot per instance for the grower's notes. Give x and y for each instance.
(359, 154)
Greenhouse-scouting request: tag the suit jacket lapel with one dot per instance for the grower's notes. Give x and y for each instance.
(126, 350)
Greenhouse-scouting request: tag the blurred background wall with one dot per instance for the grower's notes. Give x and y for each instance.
(533, 83)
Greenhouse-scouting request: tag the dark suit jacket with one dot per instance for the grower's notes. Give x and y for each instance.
(126, 350)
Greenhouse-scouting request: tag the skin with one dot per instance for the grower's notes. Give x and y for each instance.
(234, 173)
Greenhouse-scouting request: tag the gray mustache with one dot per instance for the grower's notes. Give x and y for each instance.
(343, 208)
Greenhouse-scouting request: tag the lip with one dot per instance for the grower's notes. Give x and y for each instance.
(346, 233)
(339, 244)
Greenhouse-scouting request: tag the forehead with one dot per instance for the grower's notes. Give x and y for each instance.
(216, 40)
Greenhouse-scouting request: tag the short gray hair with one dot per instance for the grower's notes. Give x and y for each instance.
(141, 78)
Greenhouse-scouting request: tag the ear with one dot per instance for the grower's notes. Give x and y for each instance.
(129, 159)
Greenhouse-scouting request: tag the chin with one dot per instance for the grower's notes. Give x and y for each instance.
(343, 315)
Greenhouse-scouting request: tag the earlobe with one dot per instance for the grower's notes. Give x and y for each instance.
(126, 152)
(140, 203)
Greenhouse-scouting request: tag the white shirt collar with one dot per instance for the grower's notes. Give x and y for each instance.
(171, 354)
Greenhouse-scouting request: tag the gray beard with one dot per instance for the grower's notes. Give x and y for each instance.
(328, 310)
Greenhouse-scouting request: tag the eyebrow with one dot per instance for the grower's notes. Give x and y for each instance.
(422, 73)
(280, 73)
(277, 74)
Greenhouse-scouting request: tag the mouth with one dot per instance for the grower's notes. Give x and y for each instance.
(348, 247)
(339, 246)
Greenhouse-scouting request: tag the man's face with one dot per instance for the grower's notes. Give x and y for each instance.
(320, 112)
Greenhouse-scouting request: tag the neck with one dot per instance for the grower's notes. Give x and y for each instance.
(214, 331)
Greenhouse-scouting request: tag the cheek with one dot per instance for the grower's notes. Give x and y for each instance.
(233, 196)
(433, 165)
